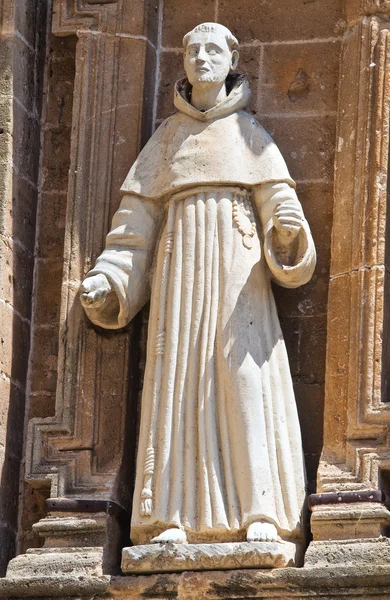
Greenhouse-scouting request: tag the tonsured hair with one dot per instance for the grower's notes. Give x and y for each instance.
(231, 41)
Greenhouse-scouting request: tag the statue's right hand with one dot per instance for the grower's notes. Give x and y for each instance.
(94, 291)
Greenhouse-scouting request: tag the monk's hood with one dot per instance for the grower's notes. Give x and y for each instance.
(238, 94)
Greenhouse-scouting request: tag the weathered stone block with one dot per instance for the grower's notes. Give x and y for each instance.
(307, 144)
(317, 202)
(16, 276)
(178, 20)
(51, 225)
(43, 362)
(299, 78)
(26, 142)
(267, 21)
(41, 405)
(55, 169)
(14, 344)
(171, 69)
(21, 216)
(48, 279)
(169, 558)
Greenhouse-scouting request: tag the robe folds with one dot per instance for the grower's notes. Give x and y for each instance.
(220, 444)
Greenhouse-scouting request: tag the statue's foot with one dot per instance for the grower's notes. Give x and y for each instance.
(261, 532)
(174, 536)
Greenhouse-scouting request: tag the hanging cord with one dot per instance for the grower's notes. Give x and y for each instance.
(146, 508)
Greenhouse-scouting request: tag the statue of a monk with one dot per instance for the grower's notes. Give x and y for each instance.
(209, 216)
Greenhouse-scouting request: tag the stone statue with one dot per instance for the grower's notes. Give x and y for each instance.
(209, 216)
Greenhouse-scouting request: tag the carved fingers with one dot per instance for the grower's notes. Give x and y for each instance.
(94, 291)
(287, 220)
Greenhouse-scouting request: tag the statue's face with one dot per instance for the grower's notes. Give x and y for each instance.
(208, 58)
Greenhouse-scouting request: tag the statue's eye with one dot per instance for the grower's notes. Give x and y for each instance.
(193, 52)
(212, 51)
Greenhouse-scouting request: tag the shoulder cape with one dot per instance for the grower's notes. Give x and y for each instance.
(224, 145)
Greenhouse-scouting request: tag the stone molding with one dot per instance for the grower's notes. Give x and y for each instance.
(356, 420)
(71, 16)
(354, 582)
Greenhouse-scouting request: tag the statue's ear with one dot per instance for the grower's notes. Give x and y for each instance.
(235, 57)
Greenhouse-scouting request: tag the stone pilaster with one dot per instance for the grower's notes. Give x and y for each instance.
(356, 455)
(80, 454)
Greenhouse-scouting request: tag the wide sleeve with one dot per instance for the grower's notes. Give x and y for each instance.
(126, 261)
(293, 265)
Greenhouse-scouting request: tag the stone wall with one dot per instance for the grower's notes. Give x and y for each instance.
(22, 41)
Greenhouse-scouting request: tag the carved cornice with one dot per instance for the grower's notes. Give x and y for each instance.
(71, 16)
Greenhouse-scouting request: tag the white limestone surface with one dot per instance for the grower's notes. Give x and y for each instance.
(169, 558)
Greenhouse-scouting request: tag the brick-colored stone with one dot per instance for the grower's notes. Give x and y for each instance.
(43, 360)
(179, 19)
(41, 405)
(26, 142)
(56, 166)
(140, 17)
(272, 20)
(317, 203)
(306, 143)
(21, 218)
(48, 280)
(51, 225)
(171, 69)
(298, 78)
(16, 276)
(61, 73)
(129, 111)
(14, 344)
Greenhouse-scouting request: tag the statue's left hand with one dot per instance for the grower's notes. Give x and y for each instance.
(94, 291)
(287, 220)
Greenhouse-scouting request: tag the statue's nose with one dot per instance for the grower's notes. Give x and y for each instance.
(201, 56)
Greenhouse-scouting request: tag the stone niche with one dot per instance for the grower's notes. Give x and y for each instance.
(319, 74)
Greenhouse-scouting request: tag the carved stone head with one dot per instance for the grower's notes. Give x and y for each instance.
(210, 53)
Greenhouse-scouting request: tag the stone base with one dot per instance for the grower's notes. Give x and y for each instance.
(170, 558)
(348, 553)
(56, 562)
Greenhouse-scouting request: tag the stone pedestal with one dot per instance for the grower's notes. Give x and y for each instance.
(81, 538)
(348, 530)
(169, 558)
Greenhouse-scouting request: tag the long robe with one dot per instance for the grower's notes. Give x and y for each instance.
(220, 444)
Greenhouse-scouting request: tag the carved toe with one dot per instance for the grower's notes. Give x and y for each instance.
(173, 536)
(262, 532)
